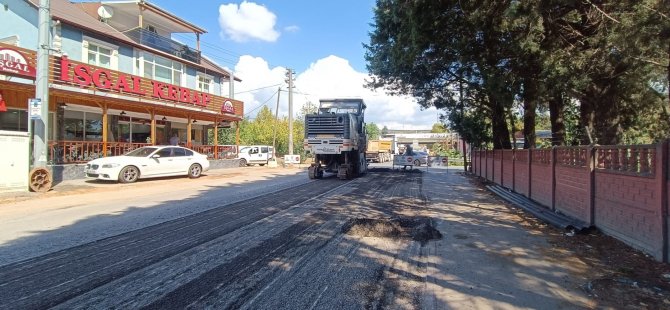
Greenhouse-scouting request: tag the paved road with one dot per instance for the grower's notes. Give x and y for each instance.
(391, 239)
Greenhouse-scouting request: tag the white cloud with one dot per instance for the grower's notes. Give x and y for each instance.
(292, 28)
(248, 21)
(329, 77)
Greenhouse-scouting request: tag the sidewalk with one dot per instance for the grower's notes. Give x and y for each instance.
(492, 255)
(79, 186)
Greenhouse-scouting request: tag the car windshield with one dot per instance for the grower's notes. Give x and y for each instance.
(142, 152)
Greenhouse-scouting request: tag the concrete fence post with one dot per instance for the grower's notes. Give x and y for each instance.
(502, 166)
(493, 166)
(553, 158)
(473, 156)
(486, 164)
(662, 188)
(514, 170)
(530, 173)
(481, 155)
(591, 167)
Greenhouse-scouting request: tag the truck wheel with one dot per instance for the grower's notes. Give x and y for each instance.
(312, 172)
(417, 163)
(243, 162)
(343, 173)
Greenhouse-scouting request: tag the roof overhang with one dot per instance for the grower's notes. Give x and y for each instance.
(154, 13)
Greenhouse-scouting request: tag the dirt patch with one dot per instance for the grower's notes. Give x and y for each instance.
(417, 229)
(618, 276)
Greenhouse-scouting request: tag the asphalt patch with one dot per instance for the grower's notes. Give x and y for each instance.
(417, 229)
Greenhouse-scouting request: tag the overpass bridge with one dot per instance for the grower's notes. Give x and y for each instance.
(423, 139)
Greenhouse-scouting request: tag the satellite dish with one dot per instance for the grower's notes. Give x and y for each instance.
(105, 12)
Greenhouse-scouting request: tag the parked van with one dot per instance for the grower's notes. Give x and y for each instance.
(255, 154)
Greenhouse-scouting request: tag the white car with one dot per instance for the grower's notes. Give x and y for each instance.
(148, 162)
(255, 154)
(422, 158)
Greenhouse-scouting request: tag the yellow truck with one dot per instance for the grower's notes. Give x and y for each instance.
(378, 151)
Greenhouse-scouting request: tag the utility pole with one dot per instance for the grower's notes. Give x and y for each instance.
(38, 107)
(40, 128)
(289, 76)
(274, 132)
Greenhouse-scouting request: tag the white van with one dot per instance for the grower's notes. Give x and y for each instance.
(255, 154)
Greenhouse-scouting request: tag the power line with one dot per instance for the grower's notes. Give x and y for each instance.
(264, 87)
(262, 104)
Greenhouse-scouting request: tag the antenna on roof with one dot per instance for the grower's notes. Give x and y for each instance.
(105, 12)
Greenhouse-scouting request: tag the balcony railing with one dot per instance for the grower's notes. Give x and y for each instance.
(154, 40)
(73, 152)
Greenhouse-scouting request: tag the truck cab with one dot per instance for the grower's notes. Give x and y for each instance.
(255, 154)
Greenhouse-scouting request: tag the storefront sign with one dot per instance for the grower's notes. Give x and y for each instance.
(35, 108)
(85, 76)
(12, 62)
(227, 107)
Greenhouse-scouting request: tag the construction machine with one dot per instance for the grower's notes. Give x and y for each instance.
(335, 135)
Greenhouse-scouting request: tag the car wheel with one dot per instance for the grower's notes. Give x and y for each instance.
(129, 174)
(261, 165)
(243, 162)
(417, 163)
(194, 171)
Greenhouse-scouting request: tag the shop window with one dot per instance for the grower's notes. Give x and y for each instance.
(73, 124)
(123, 131)
(141, 132)
(14, 120)
(82, 126)
(93, 130)
(162, 69)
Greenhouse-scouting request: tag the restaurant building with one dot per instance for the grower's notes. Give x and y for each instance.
(117, 79)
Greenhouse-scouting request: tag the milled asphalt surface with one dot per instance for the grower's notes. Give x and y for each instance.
(80, 211)
(224, 243)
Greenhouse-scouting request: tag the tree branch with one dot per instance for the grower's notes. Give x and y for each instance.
(656, 11)
(603, 12)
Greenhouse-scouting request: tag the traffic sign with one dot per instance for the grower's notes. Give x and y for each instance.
(35, 108)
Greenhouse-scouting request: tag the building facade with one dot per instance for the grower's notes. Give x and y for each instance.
(117, 79)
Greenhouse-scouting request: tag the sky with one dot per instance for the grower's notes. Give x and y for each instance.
(321, 41)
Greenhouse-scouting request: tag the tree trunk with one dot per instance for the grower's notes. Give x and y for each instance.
(601, 112)
(586, 120)
(499, 127)
(529, 112)
(557, 118)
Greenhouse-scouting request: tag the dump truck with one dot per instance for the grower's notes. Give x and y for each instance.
(335, 135)
(378, 151)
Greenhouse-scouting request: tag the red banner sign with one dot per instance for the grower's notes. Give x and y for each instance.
(12, 62)
(85, 75)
